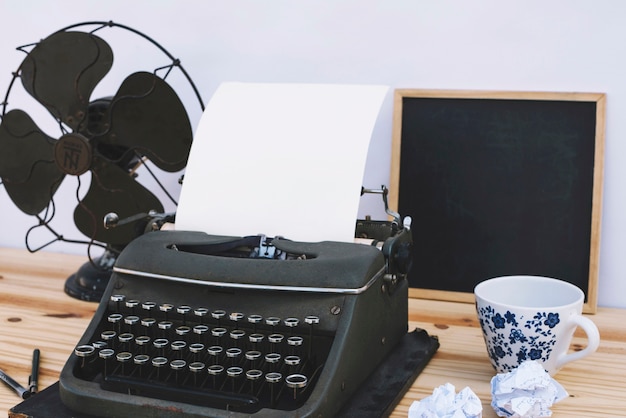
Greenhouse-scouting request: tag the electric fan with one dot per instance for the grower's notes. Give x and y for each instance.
(109, 137)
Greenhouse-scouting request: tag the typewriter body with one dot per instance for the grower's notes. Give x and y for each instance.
(214, 326)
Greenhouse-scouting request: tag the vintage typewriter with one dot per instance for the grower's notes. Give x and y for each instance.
(213, 326)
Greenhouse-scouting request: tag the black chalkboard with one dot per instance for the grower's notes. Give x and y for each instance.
(498, 184)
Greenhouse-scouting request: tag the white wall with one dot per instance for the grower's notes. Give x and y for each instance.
(534, 45)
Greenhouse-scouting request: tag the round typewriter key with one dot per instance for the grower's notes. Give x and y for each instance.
(234, 371)
(123, 358)
(131, 321)
(148, 323)
(166, 308)
(158, 363)
(183, 330)
(140, 360)
(215, 369)
(160, 344)
(178, 347)
(106, 354)
(233, 352)
(294, 341)
(196, 348)
(272, 321)
(256, 338)
(276, 338)
(201, 312)
(215, 351)
(84, 352)
(125, 339)
(99, 345)
(218, 333)
(236, 316)
(253, 375)
(183, 309)
(255, 319)
(296, 381)
(253, 355)
(312, 319)
(292, 360)
(292, 322)
(164, 326)
(115, 319)
(118, 299)
(237, 334)
(272, 359)
(148, 306)
(273, 378)
(200, 329)
(195, 368)
(178, 364)
(132, 304)
(142, 342)
(218, 314)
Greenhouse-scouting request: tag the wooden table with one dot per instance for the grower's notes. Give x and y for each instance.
(36, 313)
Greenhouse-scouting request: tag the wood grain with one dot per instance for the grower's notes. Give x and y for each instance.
(36, 313)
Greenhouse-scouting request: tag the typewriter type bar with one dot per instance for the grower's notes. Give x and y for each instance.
(185, 329)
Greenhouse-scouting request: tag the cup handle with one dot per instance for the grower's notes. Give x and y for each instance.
(593, 340)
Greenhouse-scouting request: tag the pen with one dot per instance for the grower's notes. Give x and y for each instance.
(34, 374)
(19, 389)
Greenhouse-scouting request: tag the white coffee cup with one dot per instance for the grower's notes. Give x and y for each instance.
(532, 318)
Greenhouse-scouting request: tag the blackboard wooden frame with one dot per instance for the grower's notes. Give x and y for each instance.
(423, 120)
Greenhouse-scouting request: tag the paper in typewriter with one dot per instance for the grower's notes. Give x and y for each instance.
(280, 160)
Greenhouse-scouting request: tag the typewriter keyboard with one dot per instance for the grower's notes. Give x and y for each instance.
(238, 361)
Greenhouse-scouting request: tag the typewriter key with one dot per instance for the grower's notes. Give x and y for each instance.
(253, 375)
(118, 299)
(296, 381)
(84, 352)
(160, 344)
(233, 353)
(273, 378)
(292, 360)
(178, 347)
(215, 351)
(148, 306)
(164, 326)
(99, 345)
(215, 370)
(201, 313)
(272, 321)
(183, 330)
(125, 339)
(166, 308)
(158, 363)
(196, 349)
(292, 322)
(132, 304)
(142, 342)
(255, 319)
(123, 358)
(106, 354)
(272, 360)
(218, 314)
(200, 330)
(115, 319)
(183, 310)
(236, 317)
(195, 368)
(108, 337)
(177, 366)
(140, 360)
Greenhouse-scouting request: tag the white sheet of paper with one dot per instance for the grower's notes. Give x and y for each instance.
(281, 160)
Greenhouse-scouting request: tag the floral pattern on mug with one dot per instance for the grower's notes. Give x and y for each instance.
(514, 340)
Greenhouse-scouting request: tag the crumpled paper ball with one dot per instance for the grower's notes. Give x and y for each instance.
(445, 403)
(526, 392)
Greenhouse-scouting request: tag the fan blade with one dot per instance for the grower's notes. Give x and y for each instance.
(113, 189)
(62, 71)
(146, 115)
(27, 165)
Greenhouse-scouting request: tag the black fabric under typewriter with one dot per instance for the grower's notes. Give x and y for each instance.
(229, 360)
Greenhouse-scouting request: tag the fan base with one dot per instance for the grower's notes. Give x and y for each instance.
(91, 279)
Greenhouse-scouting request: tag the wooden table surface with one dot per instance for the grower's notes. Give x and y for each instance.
(36, 313)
